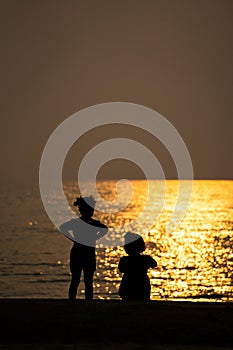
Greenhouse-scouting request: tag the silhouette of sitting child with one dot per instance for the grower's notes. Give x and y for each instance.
(84, 231)
(135, 284)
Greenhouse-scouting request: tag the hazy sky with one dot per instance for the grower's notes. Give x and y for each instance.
(59, 56)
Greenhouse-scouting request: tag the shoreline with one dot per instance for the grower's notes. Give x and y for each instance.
(60, 321)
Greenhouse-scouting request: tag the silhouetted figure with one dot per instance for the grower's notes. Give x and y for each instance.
(135, 284)
(85, 231)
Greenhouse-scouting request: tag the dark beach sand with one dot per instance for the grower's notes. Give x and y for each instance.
(61, 324)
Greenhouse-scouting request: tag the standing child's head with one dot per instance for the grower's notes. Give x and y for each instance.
(85, 205)
(134, 244)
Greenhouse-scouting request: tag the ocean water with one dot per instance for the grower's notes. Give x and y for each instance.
(195, 260)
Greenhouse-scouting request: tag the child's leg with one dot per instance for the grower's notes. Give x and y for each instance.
(88, 280)
(74, 283)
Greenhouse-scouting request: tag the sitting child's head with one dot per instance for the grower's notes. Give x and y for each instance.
(85, 205)
(134, 244)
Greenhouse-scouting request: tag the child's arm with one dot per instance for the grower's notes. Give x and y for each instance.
(67, 229)
(152, 262)
(102, 233)
(104, 229)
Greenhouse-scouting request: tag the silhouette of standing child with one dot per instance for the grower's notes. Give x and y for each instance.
(135, 284)
(85, 232)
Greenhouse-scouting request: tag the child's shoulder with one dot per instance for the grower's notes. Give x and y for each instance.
(96, 223)
(145, 257)
(151, 261)
(93, 221)
(124, 258)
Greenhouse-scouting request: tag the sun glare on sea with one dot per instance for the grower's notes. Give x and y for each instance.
(195, 260)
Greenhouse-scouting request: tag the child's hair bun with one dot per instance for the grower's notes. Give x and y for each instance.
(80, 201)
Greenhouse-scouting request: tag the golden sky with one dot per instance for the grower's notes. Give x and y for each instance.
(174, 56)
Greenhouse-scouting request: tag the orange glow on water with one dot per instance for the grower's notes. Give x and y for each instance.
(195, 261)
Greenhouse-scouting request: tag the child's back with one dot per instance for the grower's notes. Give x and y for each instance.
(135, 284)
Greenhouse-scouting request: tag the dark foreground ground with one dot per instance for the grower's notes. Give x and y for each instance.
(60, 324)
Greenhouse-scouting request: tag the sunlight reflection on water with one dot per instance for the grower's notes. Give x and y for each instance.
(195, 261)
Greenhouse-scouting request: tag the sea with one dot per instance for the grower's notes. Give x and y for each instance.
(195, 257)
